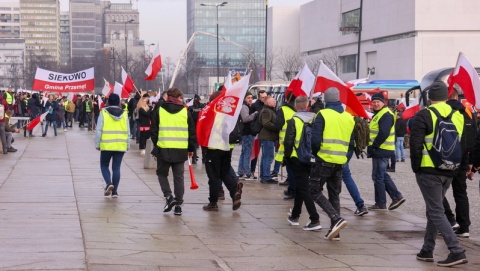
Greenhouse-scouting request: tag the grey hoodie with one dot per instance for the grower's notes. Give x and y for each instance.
(117, 114)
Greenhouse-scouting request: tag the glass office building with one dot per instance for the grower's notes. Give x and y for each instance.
(242, 31)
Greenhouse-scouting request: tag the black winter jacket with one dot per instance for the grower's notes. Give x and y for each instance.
(168, 154)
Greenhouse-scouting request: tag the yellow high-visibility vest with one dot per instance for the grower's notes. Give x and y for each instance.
(336, 136)
(173, 129)
(9, 98)
(114, 133)
(458, 121)
(287, 114)
(389, 143)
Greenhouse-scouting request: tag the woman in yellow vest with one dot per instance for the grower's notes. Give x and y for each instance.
(173, 134)
(112, 140)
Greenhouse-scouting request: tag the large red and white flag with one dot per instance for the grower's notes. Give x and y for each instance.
(107, 88)
(127, 82)
(154, 66)
(81, 81)
(36, 121)
(327, 79)
(228, 82)
(465, 76)
(302, 84)
(411, 110)
(120, 90)
(100, 102)
(217, 120)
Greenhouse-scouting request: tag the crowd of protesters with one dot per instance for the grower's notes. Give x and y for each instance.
(171, 125)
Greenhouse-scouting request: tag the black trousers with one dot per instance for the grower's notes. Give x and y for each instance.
(217, 165)
(462, 207)
(144, 136)
(300, 173)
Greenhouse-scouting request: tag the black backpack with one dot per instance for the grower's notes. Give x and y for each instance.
(256, 125)
(304, 150)
(446, 151)
(236, 134)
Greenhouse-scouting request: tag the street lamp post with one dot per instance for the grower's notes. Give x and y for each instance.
(218, 55)
(113, 53)
(126, 47)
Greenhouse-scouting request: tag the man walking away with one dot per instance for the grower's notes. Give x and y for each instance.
(300, 169)
(332, 132)
(173, 133)
(433, 181)
(267, 136)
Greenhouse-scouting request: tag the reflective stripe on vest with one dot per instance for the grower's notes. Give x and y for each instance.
(114, 133)
(287, 115)
(444, 109)
(299, 125)
(389, 143)
(336, 136)
(173, 129)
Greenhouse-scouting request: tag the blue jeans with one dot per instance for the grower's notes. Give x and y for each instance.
(116, 157)
(382, 182)
(268, 152)
(350, 183)
(54, 124)
(244, 161)
(399, 149)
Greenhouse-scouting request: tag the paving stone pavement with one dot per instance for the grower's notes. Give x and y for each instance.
(53, 216)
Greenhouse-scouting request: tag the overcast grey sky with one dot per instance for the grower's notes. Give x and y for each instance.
(164, 22)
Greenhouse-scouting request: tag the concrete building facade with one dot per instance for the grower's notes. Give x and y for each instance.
(12, 63)
(65, 52)
(39, 26)
(399, 39)
(10, 20)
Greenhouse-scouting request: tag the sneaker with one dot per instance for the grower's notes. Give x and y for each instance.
(396, 203)
(250, 178)
(462, 234)
(65, 130)
(426, 256)
(170, 202)
(178, 210)
(142, 152)
(221, 195)
(240, 176)
(274, 175)
(283, 183)
(361, 211)
(11, 149)
(114, 195)
(337, 226)
(270, 181)
(212, 206)
(403, 160)
(108, 190)
(238, 196)
(375, 207)
(454, 225)
(289, 197)
(335, 238)
(293, 221)
(390, 170)
(453, 259)
(312, 226)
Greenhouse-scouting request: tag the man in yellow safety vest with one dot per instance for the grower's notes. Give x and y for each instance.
(173, 133)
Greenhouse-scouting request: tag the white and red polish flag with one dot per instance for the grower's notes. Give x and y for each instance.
(302, 84)
(72, 97)
(217, 120)
(155, 65)
(127, 82)
(327, 79)
(81, 81)
(36, 121)
(107, 88)
(100, 102)
(120, 90)
(411, 110)
(467, 78)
